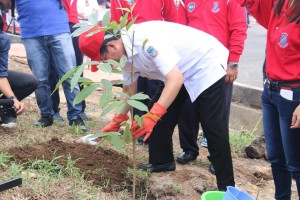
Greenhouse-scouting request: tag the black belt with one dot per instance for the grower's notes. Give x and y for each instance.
(277, 85)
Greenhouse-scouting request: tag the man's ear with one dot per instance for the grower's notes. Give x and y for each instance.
(112, 44)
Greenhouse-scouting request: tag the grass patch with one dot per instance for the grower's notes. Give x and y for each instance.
(240, 139)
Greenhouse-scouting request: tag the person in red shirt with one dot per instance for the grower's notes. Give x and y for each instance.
(147, 10)
(281, 94)
(71, 9)
(226, 21)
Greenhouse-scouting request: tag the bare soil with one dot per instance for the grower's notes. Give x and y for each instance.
(26, 144)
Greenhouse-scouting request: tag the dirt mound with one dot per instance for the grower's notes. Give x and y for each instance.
(101, 166)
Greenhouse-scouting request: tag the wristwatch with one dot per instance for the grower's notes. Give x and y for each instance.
(234, 65)
(12, 98)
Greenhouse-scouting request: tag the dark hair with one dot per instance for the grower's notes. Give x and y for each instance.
(295, 13)
(113, 36)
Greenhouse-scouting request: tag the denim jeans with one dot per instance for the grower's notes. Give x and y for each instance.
(57, 50)
(282, 142)
(4, 48)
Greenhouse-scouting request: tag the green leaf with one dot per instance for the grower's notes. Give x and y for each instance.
(76, 76)
(65, 77)
(110, 107)
(138, 105)
(120, 108)
(105, 67)
(130, 23)
(127, 133)
(106, 98)
(124, 9)
(106, 84)
(106, 37)
(91, 63)
(93, 18)
(82, 29)
(123, 61)
(106, 18)
(123, 94)
(124, 20)
(113, 63)
(139, 96)
(114, 25)
(117, 142)
(83, 94)
(80, 24)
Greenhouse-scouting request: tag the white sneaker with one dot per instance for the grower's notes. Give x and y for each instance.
(9, 125)
(89, 139)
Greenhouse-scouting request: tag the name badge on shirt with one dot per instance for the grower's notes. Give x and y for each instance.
(287, 94)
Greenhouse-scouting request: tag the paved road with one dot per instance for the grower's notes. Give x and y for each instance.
(250, 68)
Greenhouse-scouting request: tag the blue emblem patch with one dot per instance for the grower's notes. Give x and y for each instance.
(191, 6)
(216, 7)
(152, 52)
(283, 40)
(130, 2)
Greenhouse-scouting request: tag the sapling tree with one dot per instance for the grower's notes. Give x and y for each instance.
(109, 100)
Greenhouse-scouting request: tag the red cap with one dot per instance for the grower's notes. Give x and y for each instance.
(90, 44)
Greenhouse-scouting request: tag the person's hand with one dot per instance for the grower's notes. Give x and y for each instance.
(115, 123)
(19, 106)
(149, 121)
(231, 75)
(296, 118)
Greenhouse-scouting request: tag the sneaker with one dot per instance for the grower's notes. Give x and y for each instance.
(58, 117)
(44, 121)
(84, 116)
(88, 139)
(78, 122)
(8, 122)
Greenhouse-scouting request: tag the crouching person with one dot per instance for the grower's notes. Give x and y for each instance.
(14, 85)
(192, 64)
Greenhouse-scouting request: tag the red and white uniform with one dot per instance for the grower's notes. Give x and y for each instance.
(223, 19)
(71, 8)
(283, 40)
(147, 10)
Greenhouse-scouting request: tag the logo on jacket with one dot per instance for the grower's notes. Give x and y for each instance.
(283, 40)
(216, 7)
(130, 2)
(152, 51)
(191, 6)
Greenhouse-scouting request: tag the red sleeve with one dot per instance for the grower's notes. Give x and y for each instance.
(116, 13)
(236, 18)
(259, 9)
(172, 13)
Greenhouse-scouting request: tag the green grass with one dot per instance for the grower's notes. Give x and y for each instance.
(240, 139)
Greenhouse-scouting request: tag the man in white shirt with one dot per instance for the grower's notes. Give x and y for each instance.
(193, 65)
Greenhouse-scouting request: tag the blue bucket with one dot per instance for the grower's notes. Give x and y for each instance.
(233, 193)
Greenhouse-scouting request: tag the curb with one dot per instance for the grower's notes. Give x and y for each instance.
(246, 109)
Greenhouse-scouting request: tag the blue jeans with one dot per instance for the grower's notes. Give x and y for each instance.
(57, 50)
(282, 142)
(4, 48)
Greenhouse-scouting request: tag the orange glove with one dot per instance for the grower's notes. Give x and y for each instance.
(149, 121)
(115, 123)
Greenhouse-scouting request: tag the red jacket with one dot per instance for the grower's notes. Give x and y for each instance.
(283, 40)
(146, 10)
(223, 19)
(71, 8)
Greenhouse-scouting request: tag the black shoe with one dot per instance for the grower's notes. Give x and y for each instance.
(158, 168)
(212, 169)
(78, 122)
(9, 119)
(44, 122)
(185, 158)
